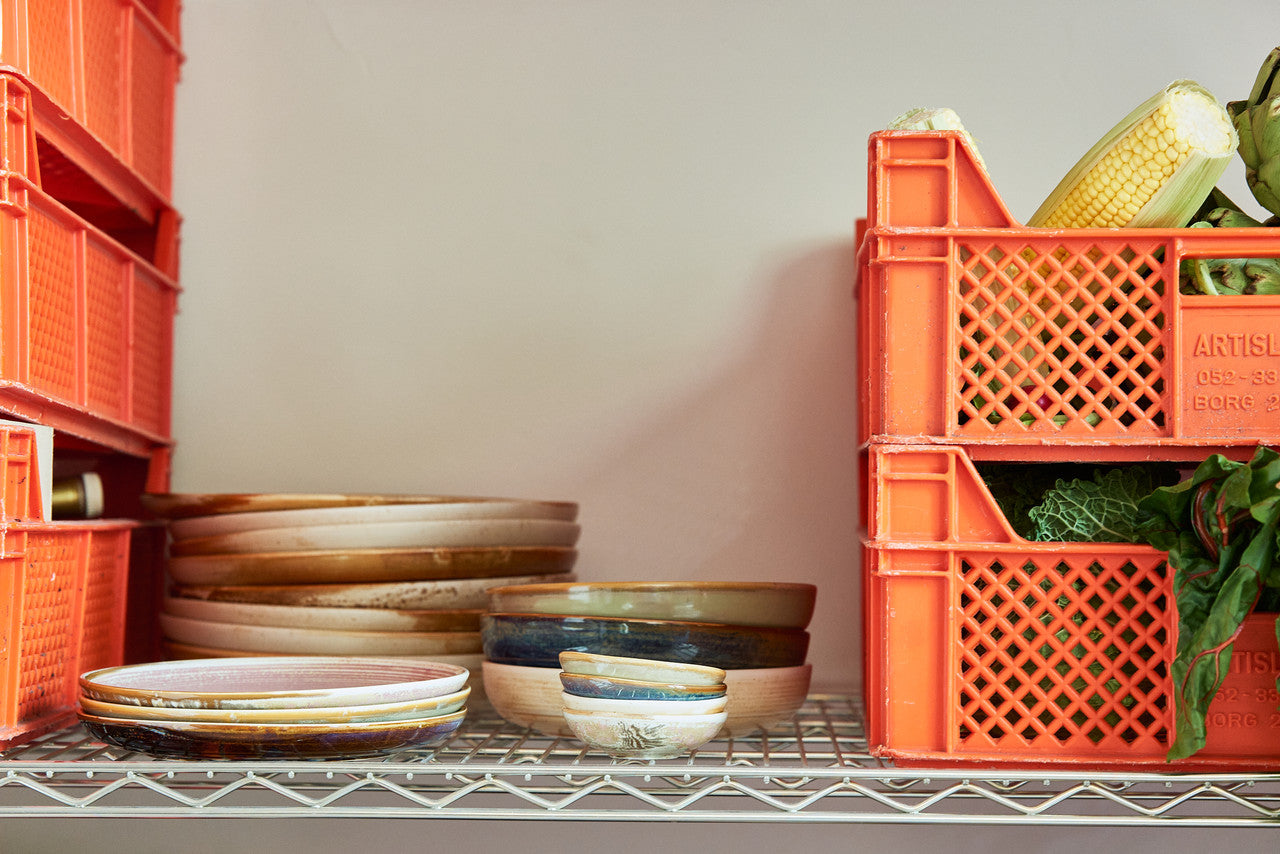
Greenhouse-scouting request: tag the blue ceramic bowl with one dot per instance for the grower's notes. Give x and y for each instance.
(613, 688)
(538, 639)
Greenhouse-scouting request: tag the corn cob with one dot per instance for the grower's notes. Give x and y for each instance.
(939, 118)
(1152, 170)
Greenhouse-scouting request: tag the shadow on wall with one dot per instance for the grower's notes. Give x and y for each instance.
(751, 474)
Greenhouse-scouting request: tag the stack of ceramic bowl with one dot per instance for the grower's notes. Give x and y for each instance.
(636, 708)
(313, 707)
(398, 575)
(754, 631)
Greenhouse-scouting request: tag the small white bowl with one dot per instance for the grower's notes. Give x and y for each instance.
(576, 703)
(643, 736)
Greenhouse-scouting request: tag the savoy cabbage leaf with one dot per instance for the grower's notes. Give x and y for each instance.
(1100, 509)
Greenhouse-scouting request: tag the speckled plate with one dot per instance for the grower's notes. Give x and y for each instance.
(204, 740)
(454, 593)
(427, 707)
(182, 505)
(365, 566)
(273, 682)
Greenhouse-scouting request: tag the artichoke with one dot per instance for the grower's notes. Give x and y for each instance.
(1257, 123)
(1224, 276)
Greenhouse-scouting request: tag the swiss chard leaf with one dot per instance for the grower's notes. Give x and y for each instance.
(1219, 528)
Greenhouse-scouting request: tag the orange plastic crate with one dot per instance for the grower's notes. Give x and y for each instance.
(86, 341)
(63, 593)
(982, 647)
(111, 67)
(1048, 343)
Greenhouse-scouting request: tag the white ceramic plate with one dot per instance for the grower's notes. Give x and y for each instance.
(274, 682)
(290, 641)
(365, 566)
(454, 533)
(231, 523)
(454, 593)
(346, 619)
(427, 707)
(175, 651)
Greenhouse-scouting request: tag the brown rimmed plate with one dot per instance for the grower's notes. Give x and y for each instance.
(308, 617)
(449, 593)
(370, 565)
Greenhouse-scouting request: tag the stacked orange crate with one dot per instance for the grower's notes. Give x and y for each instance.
(62, 602)
(982, 340)
(88, 295)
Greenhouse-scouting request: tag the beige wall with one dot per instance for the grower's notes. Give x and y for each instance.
(598, 250)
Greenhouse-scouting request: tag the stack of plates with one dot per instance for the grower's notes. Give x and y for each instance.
(275, 707)
(350, 575)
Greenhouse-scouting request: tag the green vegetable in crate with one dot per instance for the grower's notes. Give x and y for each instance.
(1100, 509)
(1229, 276)
(1074, 502)
(1257, 121)
(1220, 529)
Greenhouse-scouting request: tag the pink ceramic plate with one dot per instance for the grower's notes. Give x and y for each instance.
(308, 617)
(285, 640)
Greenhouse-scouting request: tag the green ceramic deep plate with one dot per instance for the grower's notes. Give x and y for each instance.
(776, 604)
(538, 640)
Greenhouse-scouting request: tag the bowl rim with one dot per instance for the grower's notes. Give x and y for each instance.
(802, 588)
(690, 667)
(699, 625)
(624, 682)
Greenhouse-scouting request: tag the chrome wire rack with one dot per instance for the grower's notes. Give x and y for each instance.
(816, 769)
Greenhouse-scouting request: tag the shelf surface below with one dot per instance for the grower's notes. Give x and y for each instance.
(815, 769)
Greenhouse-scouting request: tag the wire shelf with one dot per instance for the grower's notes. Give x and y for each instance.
(816, 769)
